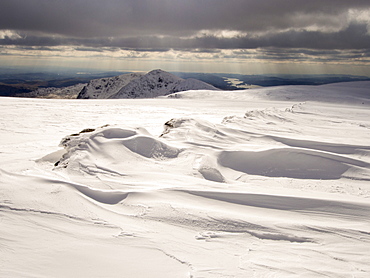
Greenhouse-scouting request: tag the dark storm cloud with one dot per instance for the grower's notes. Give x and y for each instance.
(160, 25)
(355, 36)
(94, 18)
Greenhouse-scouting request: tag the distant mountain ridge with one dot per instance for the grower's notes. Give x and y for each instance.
(41, 84)
(138, 85)
(66, 84)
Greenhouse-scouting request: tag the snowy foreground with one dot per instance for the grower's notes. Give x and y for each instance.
(271, 182)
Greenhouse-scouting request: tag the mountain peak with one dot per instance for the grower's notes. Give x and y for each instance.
(153, 84)
(156, 72)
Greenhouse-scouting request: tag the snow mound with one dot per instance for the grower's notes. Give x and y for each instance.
(89, 147)
(121, 152)
(211, 174)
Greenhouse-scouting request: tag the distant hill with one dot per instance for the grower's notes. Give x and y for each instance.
(153, 84)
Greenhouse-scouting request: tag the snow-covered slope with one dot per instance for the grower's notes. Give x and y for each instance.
(346, 92)
(105, 87)
(193, 84)
(137, 85)
(248, 185)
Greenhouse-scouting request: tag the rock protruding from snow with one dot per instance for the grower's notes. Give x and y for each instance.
(137, 85)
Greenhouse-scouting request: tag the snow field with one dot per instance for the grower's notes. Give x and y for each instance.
(233, 185)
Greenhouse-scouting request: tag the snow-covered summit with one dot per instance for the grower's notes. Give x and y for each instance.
(137, 85)
(160, 83)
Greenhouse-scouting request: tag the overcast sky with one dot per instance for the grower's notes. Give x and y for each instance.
(188, 34)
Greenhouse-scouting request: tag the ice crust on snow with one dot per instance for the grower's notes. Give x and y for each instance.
(210, 184)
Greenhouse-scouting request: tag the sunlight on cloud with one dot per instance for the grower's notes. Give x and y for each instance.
(275, 55)
(10, 34)
(319, 22)
(361, 16)
(224, 34)
(251, 61)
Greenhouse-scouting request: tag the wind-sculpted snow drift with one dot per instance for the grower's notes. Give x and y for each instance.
(242, 187)
(212, 150)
